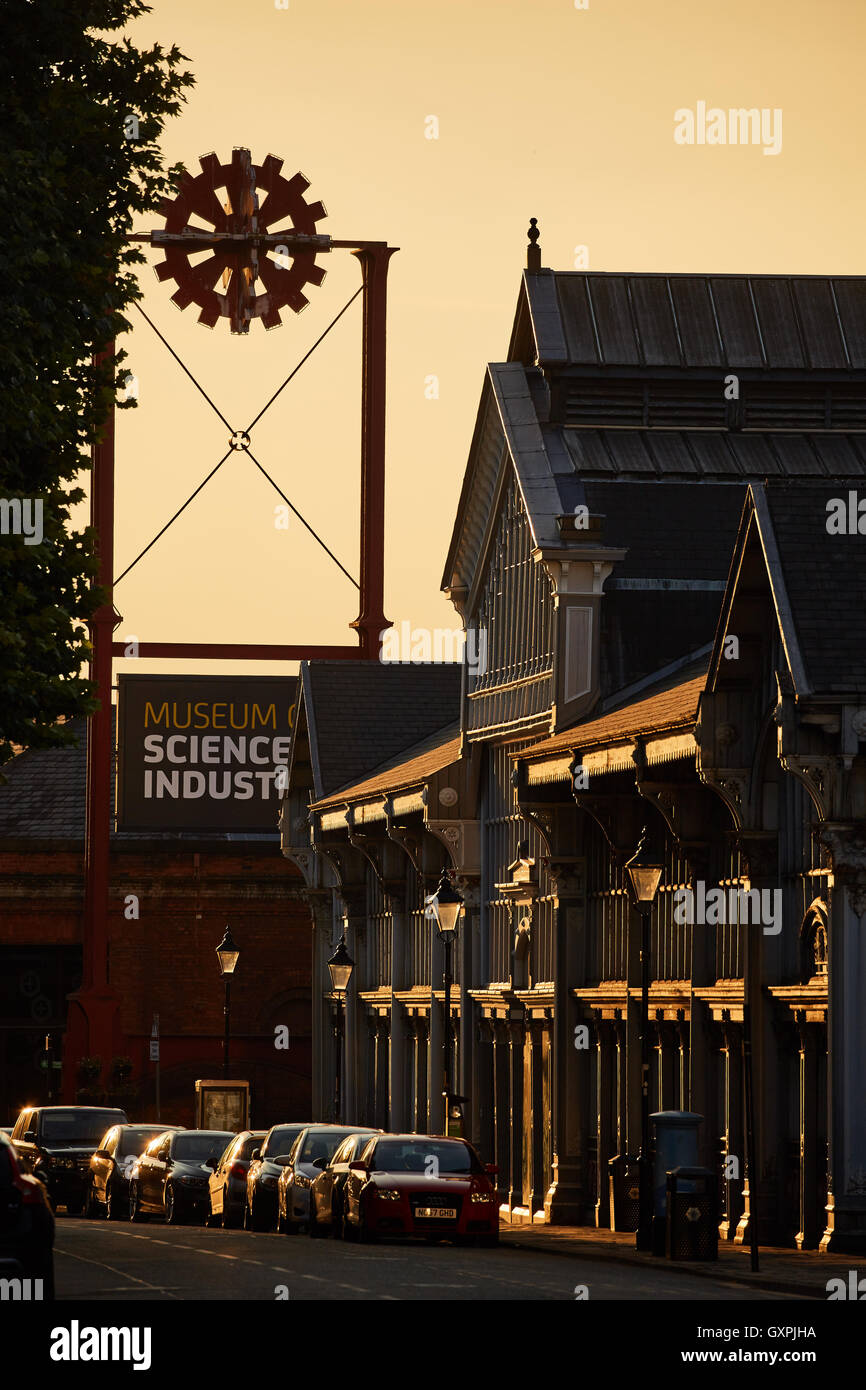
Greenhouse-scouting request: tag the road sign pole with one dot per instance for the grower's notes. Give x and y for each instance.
(154, 1052)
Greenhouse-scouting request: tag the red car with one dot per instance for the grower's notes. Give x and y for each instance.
(421, 1185)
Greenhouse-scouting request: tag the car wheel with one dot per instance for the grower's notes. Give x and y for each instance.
(347, 1230)
(172, 1212)
(230, 1220)
(365, 1235)
(91, 1206)
(74, 1208)
(135, 1212)
(257, 1221)
(112, 1206)
(314, 1230)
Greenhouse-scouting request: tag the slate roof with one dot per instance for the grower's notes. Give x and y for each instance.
(43, 795)
(361, 713)
(42, 791)
(410, 769)
(719, 455)
(672, 530)
(823, 591)
(710, 321)
(668, 710)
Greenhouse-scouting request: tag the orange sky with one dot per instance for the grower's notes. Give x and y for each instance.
(544, 110)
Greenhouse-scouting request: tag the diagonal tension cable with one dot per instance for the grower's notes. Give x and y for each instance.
(175, 517)
(302, 519)
(183, 366)
(246, 449)
(320, 339)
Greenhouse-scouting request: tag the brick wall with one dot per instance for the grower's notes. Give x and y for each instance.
(169, 908)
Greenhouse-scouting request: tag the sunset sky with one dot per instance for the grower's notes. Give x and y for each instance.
(543, 110)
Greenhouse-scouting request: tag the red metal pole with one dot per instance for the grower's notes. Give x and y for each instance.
(99, 743)
(371, 620)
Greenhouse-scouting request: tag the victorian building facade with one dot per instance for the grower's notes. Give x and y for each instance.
(650, 539)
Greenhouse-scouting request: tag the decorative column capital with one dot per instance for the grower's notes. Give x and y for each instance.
(845, 846)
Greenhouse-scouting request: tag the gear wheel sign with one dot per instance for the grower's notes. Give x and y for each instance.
(244, 264)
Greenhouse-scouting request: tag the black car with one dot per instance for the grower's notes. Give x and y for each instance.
(228, 1184)
(111, 1165)
(170, 1178)
(26, 1224)
(58, 1141)
(326, 1193)
(260, 1212)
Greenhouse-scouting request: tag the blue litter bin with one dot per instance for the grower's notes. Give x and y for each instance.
(676, 1146)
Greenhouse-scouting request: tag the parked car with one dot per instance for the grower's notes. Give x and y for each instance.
(227, 1184)
(58, 1141)
(421, 1185)
(311, 1152)
(170, 1178)
(26, 1221)
(326, 1193)
(111, 1165)
(260, 1209)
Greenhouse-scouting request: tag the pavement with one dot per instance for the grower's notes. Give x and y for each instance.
(803, 1274)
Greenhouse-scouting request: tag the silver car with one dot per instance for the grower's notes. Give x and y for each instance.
(227, 1184)
(313, 1149)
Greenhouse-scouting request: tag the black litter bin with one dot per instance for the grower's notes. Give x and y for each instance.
(692, 1223)
(624, 1192)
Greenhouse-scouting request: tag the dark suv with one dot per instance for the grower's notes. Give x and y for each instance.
(57, 1141)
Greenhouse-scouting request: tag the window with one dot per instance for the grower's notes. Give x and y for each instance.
(346, 1149)
(22, 1125)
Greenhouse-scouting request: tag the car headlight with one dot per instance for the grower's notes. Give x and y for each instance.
(482, 1197)
(389, 1194)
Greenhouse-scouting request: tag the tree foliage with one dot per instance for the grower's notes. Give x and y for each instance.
(76, 174)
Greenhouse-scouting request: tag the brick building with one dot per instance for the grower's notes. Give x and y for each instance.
(171, 897)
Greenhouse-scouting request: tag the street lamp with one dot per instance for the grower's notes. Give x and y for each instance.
(644, 875)
(227, 955)
(341, 966)
(446, 904)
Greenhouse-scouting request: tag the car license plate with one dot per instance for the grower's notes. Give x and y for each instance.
(450, 1213)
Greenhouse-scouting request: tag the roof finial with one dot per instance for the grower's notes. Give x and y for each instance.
(533, 250)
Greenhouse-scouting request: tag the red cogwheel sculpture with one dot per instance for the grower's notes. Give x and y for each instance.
(249, 243)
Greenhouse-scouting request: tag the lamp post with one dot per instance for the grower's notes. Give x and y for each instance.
(341, 966)
(446, 904)
(227, 955)
(644, 875)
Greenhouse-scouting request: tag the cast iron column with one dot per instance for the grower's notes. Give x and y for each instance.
(371, 620)
(644, 1232)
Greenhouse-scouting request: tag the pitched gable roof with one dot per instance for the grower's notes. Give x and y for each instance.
(792, 322)
(410, 768)
(361, 713)
(818, 580)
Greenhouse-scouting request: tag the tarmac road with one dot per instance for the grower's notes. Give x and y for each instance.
(102, 1261)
